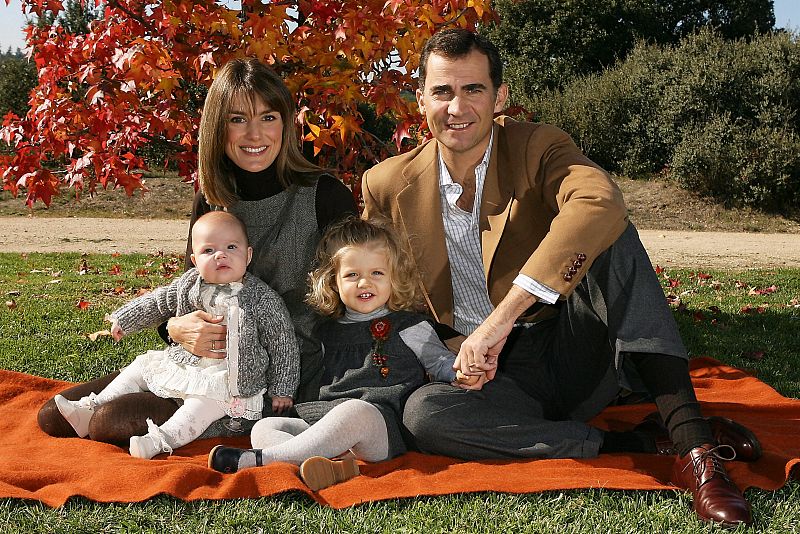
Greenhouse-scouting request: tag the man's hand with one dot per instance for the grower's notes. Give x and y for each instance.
(200, 333)
(281, 404)
(480, 351)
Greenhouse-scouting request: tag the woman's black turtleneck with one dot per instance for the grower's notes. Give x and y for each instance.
(257, 185)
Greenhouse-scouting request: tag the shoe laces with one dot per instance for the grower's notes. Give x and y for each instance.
(716, 455)
(89, 402)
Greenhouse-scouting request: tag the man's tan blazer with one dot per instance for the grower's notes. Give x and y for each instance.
(547, 211)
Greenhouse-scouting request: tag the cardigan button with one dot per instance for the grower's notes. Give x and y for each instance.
(567, 277)
(572, 270)
(581, 256)
(577, 263)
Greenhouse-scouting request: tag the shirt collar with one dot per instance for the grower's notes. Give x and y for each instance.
(352, 316)
(444, 175)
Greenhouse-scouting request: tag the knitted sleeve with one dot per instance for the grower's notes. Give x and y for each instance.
(149, 310)
(276, 335)
(430, 351)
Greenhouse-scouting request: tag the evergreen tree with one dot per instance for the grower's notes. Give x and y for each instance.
(546, 43)
(17, 78)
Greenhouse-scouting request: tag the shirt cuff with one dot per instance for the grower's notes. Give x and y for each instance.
(542, 292)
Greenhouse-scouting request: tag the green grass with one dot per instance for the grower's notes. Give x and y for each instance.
(45, 334)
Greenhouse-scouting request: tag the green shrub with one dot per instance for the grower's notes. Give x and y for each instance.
(727, 159)
(721, 117)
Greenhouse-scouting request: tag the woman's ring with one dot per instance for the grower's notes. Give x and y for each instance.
(213, 344)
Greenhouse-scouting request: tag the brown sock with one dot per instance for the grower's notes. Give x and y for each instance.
(667, 380)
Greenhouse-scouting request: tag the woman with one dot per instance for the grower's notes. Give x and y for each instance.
(250, 164)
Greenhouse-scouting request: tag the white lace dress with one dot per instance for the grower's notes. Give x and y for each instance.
(210, 378)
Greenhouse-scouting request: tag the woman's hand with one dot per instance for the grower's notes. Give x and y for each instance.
(200, 333)
(281, 404)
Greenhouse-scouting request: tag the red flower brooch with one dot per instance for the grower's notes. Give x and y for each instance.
(380, 328)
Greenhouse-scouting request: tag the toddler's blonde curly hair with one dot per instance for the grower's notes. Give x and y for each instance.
(352, 232)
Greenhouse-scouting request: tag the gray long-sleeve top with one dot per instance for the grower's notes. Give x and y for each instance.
(268, 356)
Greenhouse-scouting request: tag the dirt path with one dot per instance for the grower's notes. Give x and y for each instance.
(666, 248)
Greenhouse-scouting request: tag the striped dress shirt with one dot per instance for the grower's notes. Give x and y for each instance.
(471, 305)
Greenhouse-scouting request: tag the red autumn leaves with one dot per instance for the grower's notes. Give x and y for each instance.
(713, 314)
(139, 75)
(165, 266)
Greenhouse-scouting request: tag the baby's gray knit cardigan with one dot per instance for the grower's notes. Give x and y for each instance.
(268, 351)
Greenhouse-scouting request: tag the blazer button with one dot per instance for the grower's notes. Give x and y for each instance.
(581, 256)
(567, 277)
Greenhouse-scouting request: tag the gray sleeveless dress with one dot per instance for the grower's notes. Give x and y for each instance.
(284, 234)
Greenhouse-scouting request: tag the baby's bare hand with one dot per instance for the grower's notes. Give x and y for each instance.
(474, 382)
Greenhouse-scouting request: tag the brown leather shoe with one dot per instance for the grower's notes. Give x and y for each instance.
(319, 473)
(725, 431)
(716, 498)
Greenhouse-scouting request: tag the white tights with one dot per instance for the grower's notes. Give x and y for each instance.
(185, 425)
(354, 424)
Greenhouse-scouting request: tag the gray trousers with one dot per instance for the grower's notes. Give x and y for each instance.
(555, 375)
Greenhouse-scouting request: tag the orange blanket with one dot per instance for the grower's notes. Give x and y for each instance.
(36, 466)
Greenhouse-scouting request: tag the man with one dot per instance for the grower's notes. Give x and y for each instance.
(523, 244)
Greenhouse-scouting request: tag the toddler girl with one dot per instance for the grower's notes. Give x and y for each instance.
(262, 353)
(375, 354)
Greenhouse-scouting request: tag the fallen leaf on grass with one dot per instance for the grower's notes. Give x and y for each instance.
(169, 268)
(11, 304)
(82, 304)
(56, 281)
(748, 309)
(115, 269)
(715, 285)
(704, 276)
(766, 291)
(100, 333)
(13, 293)
(714, 310)
(117, 291)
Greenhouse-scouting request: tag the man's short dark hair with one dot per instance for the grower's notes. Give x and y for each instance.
(455, 43)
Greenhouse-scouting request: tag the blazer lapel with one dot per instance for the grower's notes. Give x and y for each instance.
(420, 210)
(496, 202)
